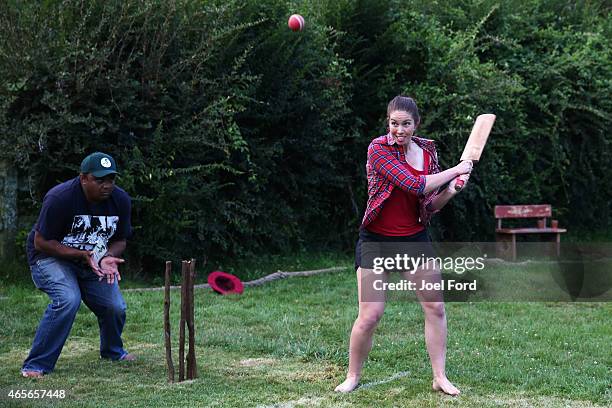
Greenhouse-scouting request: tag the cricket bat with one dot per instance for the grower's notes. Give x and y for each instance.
(477, 141)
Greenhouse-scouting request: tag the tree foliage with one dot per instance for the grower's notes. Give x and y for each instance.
(235, 135)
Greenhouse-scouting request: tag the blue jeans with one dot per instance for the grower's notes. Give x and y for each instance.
(67, 283)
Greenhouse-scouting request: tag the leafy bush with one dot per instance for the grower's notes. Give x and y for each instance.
(543, 68)
(236, 135)
(208, 106)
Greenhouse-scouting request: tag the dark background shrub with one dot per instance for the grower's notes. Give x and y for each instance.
(238, 137)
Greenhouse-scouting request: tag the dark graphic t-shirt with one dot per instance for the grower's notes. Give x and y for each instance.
(66, 216)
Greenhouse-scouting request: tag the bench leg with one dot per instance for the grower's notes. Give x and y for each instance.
(505, 247)
(553, 244)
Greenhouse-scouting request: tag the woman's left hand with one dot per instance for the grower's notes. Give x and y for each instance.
(451, 185)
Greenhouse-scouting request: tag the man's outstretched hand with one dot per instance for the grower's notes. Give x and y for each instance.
(109, 266)
(89, 259)
(107, 269)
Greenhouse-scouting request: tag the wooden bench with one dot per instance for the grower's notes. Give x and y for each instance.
(508, 235)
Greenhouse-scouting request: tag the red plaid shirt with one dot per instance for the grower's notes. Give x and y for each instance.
(385, 172)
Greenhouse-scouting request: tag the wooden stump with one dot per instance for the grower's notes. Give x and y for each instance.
(191, 355)
(182, 321)
(167, 337)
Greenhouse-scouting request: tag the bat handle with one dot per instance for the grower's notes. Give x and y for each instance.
(459, 184)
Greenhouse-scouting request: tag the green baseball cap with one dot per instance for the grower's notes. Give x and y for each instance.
(99, 165)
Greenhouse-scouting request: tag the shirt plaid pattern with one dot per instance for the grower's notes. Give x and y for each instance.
(385, 172)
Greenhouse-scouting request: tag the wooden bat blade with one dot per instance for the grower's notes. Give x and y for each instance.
(478, 138)
(477, 141)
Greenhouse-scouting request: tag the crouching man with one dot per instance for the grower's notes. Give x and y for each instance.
(74, 252)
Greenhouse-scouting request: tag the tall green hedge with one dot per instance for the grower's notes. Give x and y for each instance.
(236, 135)
(543, 67)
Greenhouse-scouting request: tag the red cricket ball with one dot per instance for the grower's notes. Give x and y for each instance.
(296, 22)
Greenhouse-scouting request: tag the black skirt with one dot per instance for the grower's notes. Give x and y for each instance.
(416, 245)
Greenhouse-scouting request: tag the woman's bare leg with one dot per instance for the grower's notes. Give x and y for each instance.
(360, 345)
(435, 334)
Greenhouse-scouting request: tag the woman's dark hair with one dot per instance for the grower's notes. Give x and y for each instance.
(404, 103)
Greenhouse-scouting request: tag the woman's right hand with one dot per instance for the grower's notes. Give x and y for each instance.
(465, 167)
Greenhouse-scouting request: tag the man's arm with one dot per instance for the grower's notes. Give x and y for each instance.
(116, 248)
(56, 249)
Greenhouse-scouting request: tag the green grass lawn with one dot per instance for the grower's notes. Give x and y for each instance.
(285, 345)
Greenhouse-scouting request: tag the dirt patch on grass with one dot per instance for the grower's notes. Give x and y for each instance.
(288, 370)
(540, 402)
(258, 362)
(305, 374)
(512, 400)
(302, 402)
(79, 346)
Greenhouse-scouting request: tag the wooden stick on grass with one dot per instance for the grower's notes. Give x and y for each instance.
(167, 337)
(188, 317)
(191, 357)
(193, 278)
(182, 321)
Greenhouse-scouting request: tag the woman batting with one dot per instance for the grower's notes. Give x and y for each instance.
(403, 182)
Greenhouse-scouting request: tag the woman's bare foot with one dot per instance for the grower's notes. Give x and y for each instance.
(442, 384)
(348, 385)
